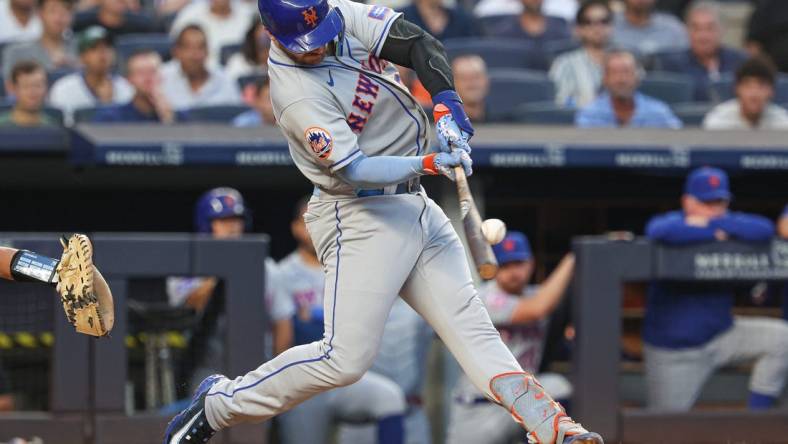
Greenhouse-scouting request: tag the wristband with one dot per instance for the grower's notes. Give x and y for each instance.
(27, 266)
(428, 164)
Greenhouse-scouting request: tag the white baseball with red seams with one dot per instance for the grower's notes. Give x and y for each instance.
(493, 230)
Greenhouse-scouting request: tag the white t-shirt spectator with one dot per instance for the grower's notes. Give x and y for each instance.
(71, 93)
(219, 31)
(726, 115)
(13, 31)
(218, 90)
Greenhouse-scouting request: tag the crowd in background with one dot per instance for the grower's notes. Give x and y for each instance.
(594, 63)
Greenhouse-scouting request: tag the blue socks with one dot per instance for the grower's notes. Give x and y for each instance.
(760, 402)
(391, 430)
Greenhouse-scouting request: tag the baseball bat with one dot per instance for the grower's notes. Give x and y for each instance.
(481, 251)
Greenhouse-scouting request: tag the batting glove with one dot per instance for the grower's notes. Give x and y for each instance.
(452, 101)
(450, 136)
(444, 163)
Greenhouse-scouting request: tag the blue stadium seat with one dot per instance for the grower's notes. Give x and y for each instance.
(510, 88)
(227, 52)
(499, 53)
(723, 88)
(216, 113)
(555, 48)
(85, 115)
(56, 74)
(668, 87)
(544, 113)
(126, 44)
(692, 113)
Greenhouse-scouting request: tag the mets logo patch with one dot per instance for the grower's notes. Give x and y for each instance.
(320, 141)
(310, 16)
(378, 12)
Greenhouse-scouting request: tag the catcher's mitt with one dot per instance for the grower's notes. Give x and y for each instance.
(86, 297)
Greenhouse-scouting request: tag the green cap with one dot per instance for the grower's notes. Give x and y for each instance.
(91, 36)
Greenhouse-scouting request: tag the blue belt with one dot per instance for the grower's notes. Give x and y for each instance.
(411, 186)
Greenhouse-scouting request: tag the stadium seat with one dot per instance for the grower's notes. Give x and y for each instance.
(56, 74)
(227, 52)
(499, 53)
(668, 87)
(216, 113)
(126, 44)
(85, 115)
(555, 48)
(243, 81)
(510, 88)
(544, 113)
(692, 113)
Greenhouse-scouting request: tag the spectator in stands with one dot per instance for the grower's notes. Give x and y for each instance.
(782, 231)
(532, 26)
(441, 21)
(473, 85)
(642, 30)
(689, 330)
(767, 31)
(143, 70)
(19, 21)
(253, 57)
(520, 312)
(55, 49)
(752, 107)
(706, 60)
(189, 81)
(578, 74)
(262, 113)
(96, 85)
(621, 105)
(28, 84)
(224, 22)
(115, 17)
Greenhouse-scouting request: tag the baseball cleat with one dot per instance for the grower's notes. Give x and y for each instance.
(584, 438)
(191, 426)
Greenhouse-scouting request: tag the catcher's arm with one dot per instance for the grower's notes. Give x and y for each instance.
(6, 256)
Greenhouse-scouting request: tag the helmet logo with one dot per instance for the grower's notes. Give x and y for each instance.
(310, 16)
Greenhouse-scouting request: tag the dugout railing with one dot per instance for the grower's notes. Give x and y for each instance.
(603, 266)
(88, 376)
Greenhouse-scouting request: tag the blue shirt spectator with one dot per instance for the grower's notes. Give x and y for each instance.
(531, 26)
(621, 105)
(688, 315)
(706, 60)
(648, 112)
(642, 30)
(262, 112)
(440, 21)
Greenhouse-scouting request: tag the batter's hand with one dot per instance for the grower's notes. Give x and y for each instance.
(450, 136)
(444, 163)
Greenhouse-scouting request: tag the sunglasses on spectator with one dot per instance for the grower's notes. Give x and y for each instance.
(603, 21)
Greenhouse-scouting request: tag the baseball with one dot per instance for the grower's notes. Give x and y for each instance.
(493, 230)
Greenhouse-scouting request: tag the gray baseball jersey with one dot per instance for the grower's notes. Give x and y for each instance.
(372, 249)
(350, 103)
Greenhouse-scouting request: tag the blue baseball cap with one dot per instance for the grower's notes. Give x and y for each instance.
(707, 184)
(514, 247)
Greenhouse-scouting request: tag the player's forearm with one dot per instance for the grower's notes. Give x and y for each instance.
(549, 294)
(782, 227)
(410, 46)
(380, 171)
(6, 255)
(283, 335)
(747, 227)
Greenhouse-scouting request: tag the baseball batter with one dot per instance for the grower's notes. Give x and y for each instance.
(298, 300)
(359, 136)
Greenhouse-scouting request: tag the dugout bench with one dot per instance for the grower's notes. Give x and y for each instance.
(88, 376)
(603, 266)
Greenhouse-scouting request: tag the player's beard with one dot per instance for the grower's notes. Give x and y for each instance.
(313, 57)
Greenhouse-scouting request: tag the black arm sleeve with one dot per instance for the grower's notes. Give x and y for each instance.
(410, 46)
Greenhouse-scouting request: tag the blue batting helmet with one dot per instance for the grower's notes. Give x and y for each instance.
(301, 25)
(218, 203)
